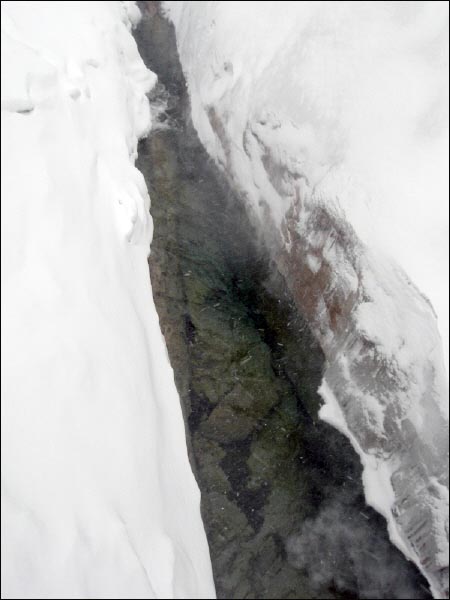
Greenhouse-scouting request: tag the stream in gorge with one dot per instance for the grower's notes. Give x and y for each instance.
(282, 499)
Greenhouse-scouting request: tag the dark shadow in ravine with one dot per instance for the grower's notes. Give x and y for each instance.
(282, 500)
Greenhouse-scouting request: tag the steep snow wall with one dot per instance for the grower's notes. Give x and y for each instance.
(98, 498)
(330, 120)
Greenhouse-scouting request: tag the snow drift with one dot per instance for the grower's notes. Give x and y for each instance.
(98, 496)
(330, 120)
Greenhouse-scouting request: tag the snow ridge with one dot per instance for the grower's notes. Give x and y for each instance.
(98, 496)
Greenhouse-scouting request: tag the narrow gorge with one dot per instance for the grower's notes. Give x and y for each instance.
(282, 498)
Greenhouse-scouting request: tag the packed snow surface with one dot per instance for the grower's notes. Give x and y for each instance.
(331, 120)
(98, 498)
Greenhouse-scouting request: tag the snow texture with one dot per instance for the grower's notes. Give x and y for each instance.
(331, 121)
(98, 498)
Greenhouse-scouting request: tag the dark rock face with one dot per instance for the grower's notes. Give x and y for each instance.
(282, 502)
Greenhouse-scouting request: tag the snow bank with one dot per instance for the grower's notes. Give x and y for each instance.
(98, 496)
(357, 93)
(331, 120)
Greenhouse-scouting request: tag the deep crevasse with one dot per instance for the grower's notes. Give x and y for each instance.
(98, 496)
(329, 119)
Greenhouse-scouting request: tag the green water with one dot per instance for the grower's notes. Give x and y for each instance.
(282, 500)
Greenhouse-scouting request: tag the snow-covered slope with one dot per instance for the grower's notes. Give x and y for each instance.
(330, 118)
(98, 498)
